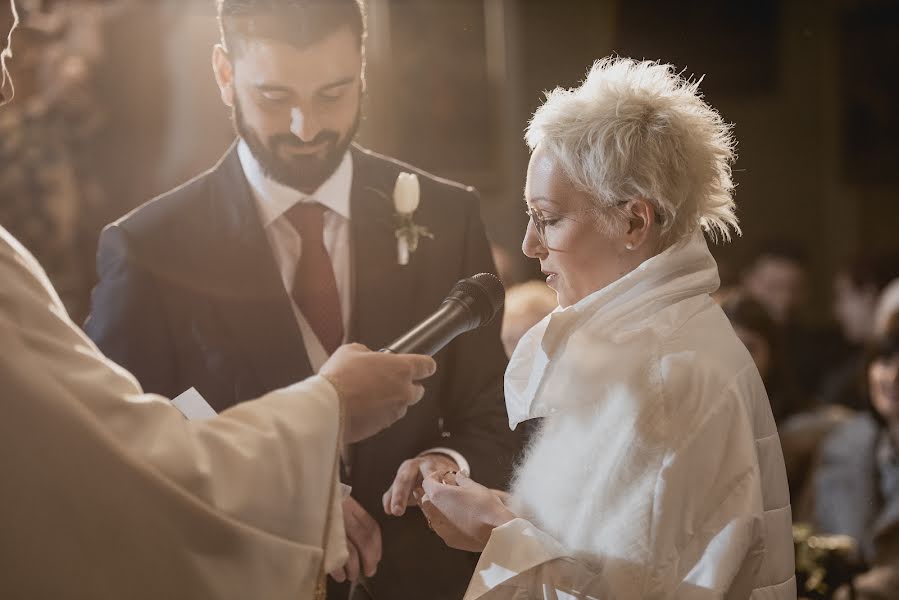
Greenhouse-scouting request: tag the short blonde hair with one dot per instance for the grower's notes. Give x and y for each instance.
(640, 130)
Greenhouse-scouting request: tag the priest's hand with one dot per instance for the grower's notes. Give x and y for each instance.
(376, 388)
(409, 478)
(363, 541)
(463, 513)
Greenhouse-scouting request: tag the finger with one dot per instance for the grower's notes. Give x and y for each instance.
(367, 541)
(363, 530)
(430, 511)
(467, 482)
(352, 564)
(338, 575)
(406, 479)
(418, 392)
(432, 484)
(420, 366)
(417, 493)
(385, 499)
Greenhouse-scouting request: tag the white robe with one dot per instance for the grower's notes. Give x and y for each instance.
(658, 473)
(106, 492)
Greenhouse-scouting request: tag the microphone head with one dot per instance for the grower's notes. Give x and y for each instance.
(483, 293)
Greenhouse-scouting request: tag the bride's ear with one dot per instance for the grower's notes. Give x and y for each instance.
(641, 216)
(224, 74)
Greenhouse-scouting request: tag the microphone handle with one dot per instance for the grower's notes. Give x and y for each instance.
(431, 335)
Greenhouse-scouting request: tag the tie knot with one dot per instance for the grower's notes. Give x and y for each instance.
(308, 218)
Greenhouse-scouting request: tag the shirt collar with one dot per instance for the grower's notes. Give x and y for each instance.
(274, 198)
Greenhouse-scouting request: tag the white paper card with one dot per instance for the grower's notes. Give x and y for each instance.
(193, 406)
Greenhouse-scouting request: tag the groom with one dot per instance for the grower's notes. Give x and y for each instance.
(245, 279)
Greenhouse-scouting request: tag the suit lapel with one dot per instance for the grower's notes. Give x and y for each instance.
(254, 305)
(383, 290)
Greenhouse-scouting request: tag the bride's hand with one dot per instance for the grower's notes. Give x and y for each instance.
(463, 513)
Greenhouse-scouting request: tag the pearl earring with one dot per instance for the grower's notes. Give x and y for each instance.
(629, 246)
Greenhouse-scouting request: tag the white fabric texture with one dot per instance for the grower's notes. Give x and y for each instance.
(110, 493)
(658, 472)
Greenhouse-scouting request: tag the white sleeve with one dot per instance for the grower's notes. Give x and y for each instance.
(265, 468)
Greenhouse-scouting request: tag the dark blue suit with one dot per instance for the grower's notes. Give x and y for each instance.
(190, 295)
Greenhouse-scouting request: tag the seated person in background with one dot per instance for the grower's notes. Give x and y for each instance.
(857, 288)
(526, 305)
(762, 337)
(777, 279)
(857, 481)
(887, 304)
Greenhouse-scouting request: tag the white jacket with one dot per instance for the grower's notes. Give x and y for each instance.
(106, 492)
(658, 472)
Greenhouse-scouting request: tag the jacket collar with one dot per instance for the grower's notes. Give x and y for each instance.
(274, 199)
(595, 332)
(383, 290)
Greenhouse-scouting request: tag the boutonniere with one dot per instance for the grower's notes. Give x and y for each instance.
(406, 194)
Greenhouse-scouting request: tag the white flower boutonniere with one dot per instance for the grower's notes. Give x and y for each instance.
(406, 195)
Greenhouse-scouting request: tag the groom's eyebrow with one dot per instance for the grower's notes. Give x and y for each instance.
(271, 87)
(336, 84)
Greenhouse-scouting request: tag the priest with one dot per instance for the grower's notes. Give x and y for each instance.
(108, 492)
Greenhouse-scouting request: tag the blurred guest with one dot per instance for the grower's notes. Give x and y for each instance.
(857, 480)
(48, 183)
(761, 336)
(657, 472)
(250, 275)
(857, 289)
(887, 304)
(777, 279)
(526, 305)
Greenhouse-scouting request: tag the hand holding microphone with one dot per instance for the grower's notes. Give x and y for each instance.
(378, 387)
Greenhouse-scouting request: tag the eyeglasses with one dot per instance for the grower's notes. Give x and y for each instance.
(541, 219)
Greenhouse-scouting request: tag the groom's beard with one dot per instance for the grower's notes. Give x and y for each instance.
(303, 173)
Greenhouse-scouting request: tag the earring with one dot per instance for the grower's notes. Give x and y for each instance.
(629, 246)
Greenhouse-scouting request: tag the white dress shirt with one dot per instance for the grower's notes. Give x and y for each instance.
(273, 200)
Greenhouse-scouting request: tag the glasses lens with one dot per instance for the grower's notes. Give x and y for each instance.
(537, 219)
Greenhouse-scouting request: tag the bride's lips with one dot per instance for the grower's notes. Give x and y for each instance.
(550, 277)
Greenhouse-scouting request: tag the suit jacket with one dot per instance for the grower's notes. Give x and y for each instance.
(109, 493)
(190, 295)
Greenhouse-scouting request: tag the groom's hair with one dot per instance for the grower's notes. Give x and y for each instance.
(299, 23)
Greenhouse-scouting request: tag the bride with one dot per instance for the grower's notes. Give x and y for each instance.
(657, 472)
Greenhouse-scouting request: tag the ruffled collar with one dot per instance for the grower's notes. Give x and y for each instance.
(606, 320)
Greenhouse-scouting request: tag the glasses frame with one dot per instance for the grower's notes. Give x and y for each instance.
(537, 217)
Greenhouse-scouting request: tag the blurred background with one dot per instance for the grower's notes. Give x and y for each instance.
(117, 103)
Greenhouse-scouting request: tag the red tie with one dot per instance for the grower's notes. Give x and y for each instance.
(314, 284)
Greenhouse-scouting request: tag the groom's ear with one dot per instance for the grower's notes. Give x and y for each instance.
(224, 74)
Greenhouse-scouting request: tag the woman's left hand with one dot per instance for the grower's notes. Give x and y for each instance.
(463, 513)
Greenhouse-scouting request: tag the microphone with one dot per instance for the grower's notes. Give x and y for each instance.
(472, 303)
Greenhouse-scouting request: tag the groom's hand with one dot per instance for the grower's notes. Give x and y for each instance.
(409, 477)
(363, 543)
